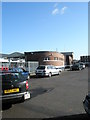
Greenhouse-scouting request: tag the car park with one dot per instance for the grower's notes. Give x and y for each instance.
(25, 73)
(86, 104)
(14, 87)
(47, 70)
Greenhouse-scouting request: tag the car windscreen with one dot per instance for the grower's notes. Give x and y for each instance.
(16, 69)
(41, 67)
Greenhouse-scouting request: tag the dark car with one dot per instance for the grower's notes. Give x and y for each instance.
(86, 104)
(76, 66)
(25, 73)
(14, 87)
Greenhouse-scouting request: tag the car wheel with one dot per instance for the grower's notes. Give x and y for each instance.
(59, 72)
(87, 112)
(22, 99)
(37, 76)
(79, 68)
(50, 74)
(71, 68)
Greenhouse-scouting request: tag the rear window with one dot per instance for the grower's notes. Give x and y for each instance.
(16, 69)
(11, 76)
(76, 64)
(41, 67)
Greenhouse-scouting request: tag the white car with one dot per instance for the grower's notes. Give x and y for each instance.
(47, 70)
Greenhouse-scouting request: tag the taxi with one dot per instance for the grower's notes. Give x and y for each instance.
(14, 87)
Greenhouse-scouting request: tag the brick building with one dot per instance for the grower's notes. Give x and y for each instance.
(46, 57)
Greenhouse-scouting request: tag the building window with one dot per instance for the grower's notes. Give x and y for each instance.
(55, 58)
(60, 58)
(46, 58)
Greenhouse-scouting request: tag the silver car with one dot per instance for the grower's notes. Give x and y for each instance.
(47, 70)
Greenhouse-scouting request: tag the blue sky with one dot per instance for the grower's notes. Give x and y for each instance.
(50, 26)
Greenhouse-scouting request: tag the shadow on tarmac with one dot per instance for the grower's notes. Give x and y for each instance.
(6, 106)
(71, 117)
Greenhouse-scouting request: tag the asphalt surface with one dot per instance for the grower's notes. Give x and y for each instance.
(59, 96)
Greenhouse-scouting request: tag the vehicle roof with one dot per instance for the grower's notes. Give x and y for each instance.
(8, 72)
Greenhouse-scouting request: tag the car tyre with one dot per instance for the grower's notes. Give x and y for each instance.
(79, 68)
(50, 74)
(59, 72)
(37, 76)
(22, 100)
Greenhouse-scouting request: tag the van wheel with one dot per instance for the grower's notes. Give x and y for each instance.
(49, 74)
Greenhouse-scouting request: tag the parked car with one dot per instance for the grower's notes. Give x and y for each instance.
(86, 104)
(62, 68)
(87, 64)
(25, 73)
(14, 87)
(47, 70)
(76, 66)
(83, 64)
(3, 68)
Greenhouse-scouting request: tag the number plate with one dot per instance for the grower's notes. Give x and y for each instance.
(27, 96)
(11, 90)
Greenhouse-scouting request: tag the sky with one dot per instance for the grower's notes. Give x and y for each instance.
(45, 26)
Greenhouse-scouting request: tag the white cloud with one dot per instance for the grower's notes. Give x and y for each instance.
(55, 5)
(59, 11)
(55, 11)
(63, 10)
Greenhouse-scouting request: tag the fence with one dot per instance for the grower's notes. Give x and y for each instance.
(29, 66)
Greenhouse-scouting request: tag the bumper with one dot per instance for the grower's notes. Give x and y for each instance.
(14, 97)
(42, 74)
(76, 68)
